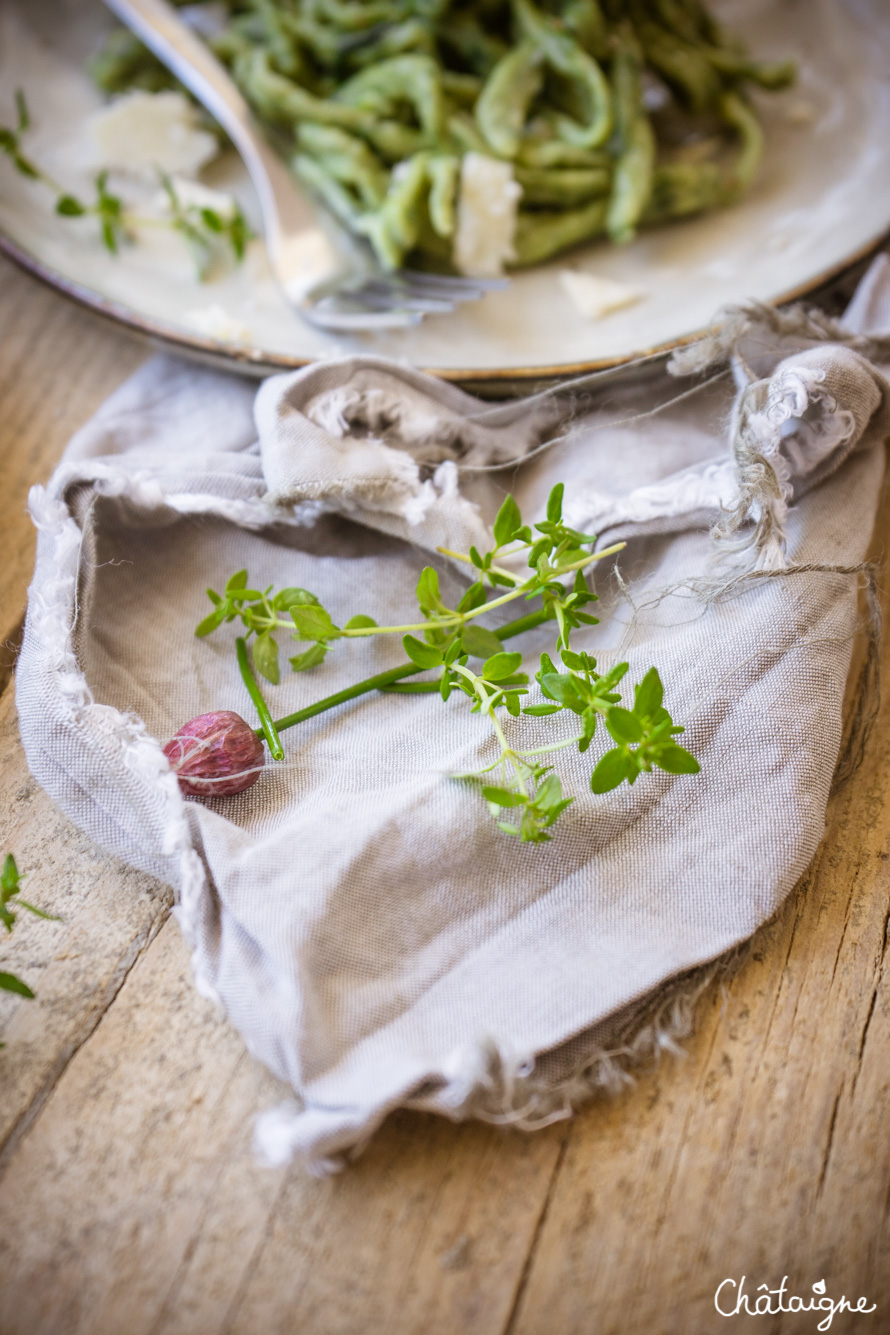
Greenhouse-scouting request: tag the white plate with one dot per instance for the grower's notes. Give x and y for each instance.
(822, 200)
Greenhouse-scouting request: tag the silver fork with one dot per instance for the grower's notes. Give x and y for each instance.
(353, 293)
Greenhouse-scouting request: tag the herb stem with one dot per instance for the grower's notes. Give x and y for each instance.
(552, 746)
(468, 560)
(413, 688)
(458, 618)
(268, 728)
(383, 680)
(525, 623)
(522, 624)
(376, 683)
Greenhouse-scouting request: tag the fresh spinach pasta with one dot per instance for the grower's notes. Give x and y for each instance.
(596, 117)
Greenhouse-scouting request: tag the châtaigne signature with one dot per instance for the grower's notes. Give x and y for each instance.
(732, 1300)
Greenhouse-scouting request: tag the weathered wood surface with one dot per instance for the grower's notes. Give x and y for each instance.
(56, 366)
(129, 1198)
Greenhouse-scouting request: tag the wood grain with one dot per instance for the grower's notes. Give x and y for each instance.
(58, 363)
(129, 1197)
(109, 914)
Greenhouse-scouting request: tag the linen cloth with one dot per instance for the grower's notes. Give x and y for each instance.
(374, 937)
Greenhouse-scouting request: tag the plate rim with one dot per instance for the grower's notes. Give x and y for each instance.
(253, 361)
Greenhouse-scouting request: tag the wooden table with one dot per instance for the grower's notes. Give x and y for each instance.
(130, 1203)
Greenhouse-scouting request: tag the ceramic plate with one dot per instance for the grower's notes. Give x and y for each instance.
(822, 200)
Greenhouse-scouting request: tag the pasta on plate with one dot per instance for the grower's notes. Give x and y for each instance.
(566, 119)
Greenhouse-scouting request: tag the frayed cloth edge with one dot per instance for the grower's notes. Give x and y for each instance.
(484, 1083)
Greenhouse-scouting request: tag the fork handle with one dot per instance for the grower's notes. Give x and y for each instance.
(194, 64)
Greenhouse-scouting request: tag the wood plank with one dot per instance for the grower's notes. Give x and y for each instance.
(109, 915)
(58, 363)
(764, 1154)
(428, 1232)
(103, 1192)
(134, 1202)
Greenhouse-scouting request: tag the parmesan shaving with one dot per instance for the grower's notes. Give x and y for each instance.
(215, 322)
(486, 216)
(595, 297)
(142, 133)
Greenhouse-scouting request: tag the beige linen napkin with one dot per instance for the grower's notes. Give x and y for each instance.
(374, 937)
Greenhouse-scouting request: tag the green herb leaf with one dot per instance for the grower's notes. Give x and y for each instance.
(623, 726)
(211, 621)
(541, 548)
(265, 657)
(38, 913)
(10, 877)
(239, 233)
(21, 108)
(313, 623)
(501, 666)
(9, 983)
(311, 658)
(479, 642)
(473, 598)
(541, 711)
(69, 206)
(424, 655)
(676, 760)
(649, 694)
(236, 581)
(576, 661)
(287, 598)
(564, 688)
(503, 797)
(360, 622)
(611, 678)
(428, 597)
(26, 168)
(507, 522)
(611, 771)
(549, 794)
(554, 503)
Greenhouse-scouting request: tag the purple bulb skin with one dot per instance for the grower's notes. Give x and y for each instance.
(216, 755)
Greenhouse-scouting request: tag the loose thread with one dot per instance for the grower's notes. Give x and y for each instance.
(867, 695)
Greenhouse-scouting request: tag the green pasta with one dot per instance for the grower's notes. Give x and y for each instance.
(612, 114)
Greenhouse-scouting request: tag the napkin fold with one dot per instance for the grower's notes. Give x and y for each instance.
(375, 938)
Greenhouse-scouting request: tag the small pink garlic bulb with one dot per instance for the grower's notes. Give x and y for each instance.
(216, 755)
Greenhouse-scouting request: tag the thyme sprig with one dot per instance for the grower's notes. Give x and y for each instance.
(10, 903)
(517, 782)
(201, 227)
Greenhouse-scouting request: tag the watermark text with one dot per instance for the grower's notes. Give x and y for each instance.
(732, 1299)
